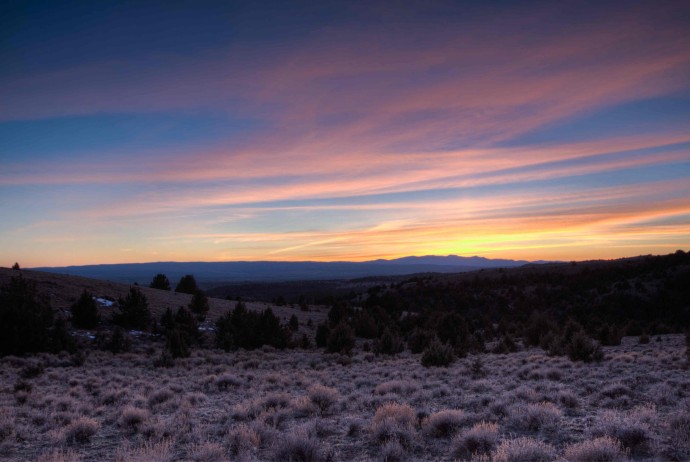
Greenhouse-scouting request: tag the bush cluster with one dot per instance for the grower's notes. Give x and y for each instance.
(180, 330)
(133, 311)
(438, 354)
(27, 323)
(242, 328)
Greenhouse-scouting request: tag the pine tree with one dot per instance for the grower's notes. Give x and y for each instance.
(160, 281)
(85, 312)
(134, 311)
(199, 304)
(25, 319)
(187, 285)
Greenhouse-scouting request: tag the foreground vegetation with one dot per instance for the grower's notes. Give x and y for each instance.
(576, 362)
(270, 404)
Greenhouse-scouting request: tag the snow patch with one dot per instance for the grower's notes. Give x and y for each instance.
(104, 301)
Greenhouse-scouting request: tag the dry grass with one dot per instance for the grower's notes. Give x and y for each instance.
(304, 405)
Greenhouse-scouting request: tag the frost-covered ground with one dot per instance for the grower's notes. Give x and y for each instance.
(304, 405)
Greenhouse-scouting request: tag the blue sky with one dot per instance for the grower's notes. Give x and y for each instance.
(148, 131)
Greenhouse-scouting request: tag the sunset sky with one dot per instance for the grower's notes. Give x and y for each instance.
(212, 131)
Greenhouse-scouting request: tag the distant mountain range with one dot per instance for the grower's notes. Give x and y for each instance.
(210, 273)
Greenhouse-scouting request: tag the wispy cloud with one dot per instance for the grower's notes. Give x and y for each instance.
(377, 140)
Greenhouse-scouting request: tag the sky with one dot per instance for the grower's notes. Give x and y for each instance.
(137, 131)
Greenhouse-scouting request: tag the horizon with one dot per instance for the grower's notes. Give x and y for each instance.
(284, 261)
(538, 261)
(270, 131)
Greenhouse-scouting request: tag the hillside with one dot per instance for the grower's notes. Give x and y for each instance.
(63, 290)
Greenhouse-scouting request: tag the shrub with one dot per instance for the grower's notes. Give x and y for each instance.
(537, 327)
(160, 397)
(583, 348)
(227, 381)
(81, 430)
(208, 451)
(679, 431)
(341, 339)
(25, 319)
(16, 266)
(631, 431)
(644, 339)
(419, 339)
(60, 338)
(445, 423)
(242, 439)
(85, 312)
(32, 370)
(247, 329)
(389, 343)
(322, 333)
(603, 449)
(132, 418)
(293, 323)
(118, 341)
(323, 397)
(299, 447)
(199, 304)
(177, 344)
(480, 440)
(160, 281)
(365, 325)
(393, 421)
(477, 367)
(523, 450)
(400, 387)
(505, 345)
(438, 354)
(610, 335)
(392, 451)
(534, 417)
(568, 399)
(166, 359)
(187, 285)
(134, 311)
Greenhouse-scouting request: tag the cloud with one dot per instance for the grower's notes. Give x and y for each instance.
(407, 133)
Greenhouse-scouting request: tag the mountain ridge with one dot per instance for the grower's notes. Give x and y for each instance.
(214, 272)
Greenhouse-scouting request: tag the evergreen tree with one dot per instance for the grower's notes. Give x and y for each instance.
(134, 311)
(160, 281)
(247, 329)
(25, 319)
(199, 304)
(322, 333)
(341, 339)
(187, 285)
(85, 312)
(177, 344)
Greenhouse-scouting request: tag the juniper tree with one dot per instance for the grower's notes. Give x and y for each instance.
(134, 311)
(85, 312)
(26, 318)
(160, 281)
(199, 304)
(187, 285)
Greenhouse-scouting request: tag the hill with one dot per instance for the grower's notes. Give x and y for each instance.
(62, 290)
